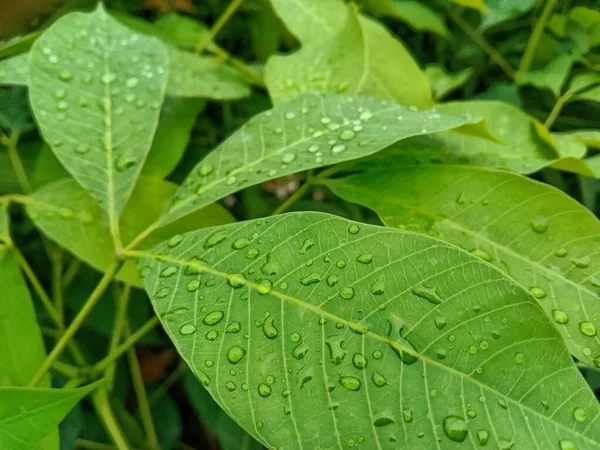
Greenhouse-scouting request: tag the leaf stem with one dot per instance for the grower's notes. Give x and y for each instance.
(102, 405)
(142, 397)
(57, 255)
(67, 370)
(534, 39)
(74, 326)
(300, 192)
(117, 331)
(558, 106)
(92, 445)
(158, 393)
(11, 146)
(482, 42)
(221, 21)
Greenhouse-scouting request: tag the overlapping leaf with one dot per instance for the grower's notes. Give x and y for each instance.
(362, 57)
(416, 14)
(312, 331)
(95, 104)
(314, 130)
(15, 70)
(539, 236)
(67, 214)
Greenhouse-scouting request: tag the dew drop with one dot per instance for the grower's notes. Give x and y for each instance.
(205, 170)
(440, 322)
(427, 293)
(187, 329)
(235, 354)
(367, 258)
(312, 278)
(560, 316)
(587, 328)
(332, 280)
(359, 361)
(338, 148)
(565, 444)
(175, 240)
(212, 335)
(377, 288)
(378, 379)
(213, 318)
(539, 224)
(240, 243)
(193, 285)
(537, 292)
(483, 436)
(481, 254)
(455, 428)
(561, 252)
(264, 287)
(347, 293)
(582, 263)
(288, 158)
(350, 383)
(108, 78)
(353, 229)
(519, 358)
(340, 264)
(269, 329)
(347, 135)
(168, 272)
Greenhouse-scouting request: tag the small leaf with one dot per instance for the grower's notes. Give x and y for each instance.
(20, 408)
(312, 131)
(551, 77)
(363, 58)
(443, 82)
(416, 14)
(18, 44)
(67, 214)
(479, 5)
(503, 10)
(95, 104)
(420, 338)
(15, 70)
(539, 236)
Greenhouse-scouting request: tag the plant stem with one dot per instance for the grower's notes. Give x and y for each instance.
(142, 397)
(67, 370)
(483, 43)
(70, 273)
(92, 445)
(102, 405)
(11, 146)
(300, 192)
(558, 106)
(534, 39)
(254, 75)
(161, 390)
(74, 326)
(221, 21)
(118, 327)
(57, 286)
(140, 238)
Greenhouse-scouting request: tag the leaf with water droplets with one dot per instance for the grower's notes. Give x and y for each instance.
(361, 57)
(314, 128)
(68, 215)
(334, 370)
(96, 105)
(46, 408)
(541, 237)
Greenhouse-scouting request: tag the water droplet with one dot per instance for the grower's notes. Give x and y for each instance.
(347, 135)
(306, 245)
(205, 170)
(353, 229)
(579, 414)
(340, 263)
(565, 444)
(378, 286)
(237, 281)
(62, 105)
(163, 292)
(300, 351)
(350, 383)
(383, 421)
(213, 318)
(537, 292)
(240, 243)
(519, 358)
(481, 254)
(332, 280)
(212, 335)
(233, 327)
(259, 425)
(168, 272)
(288, 158)
(378, 379)
(484, 345)
(264, 287)
(230, 180)
(367, 258)
(311, 279)
(286, 393)
(187, 329)
(230, 386)
(483, 437)
(427, 293)
(295, 337)
(440, 322)
(193, 285)
(405, 351)
(215, 239)
(125, 161)
(269, 328)
(132, 82)
(235, 354)
(347, 293)
(441, 353)
(502, 403)
(587, 328)
(338, 148)
(175, 240)
(377, 354)
(65, 75)
(560, 316)
(252, 253)
(582, 263)
(539, 224)
(561, 252)
(455, 428)
(108, 78)
(359, 361)
(366, 115)
(271, 266)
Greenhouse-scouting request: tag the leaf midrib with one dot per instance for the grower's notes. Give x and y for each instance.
(317, 310)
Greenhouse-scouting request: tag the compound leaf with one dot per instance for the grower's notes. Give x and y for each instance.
(314, 130)
(95, 104)
(312, 331)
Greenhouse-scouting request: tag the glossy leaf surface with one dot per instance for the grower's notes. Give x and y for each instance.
(312, 331)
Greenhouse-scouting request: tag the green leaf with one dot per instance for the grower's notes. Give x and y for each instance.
(95, 104)
(204, 77)
(311, 131)
(68, 215)
(539, 236)
(338, 332)
(582, 81)
(479, 5)
(504, 10)
(18, 44)
(15, 70)
(14, 109)
(184, 31)
(177, 119)
(27, 415)
(592, 95)
(589, 20)
(231, 436)
(443, 82)
(363, 58)
(414, 13)
(4, 223)
(551, 77)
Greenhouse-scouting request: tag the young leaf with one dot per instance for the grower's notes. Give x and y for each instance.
(68, 215)
(538, 235)
(204, 77)
(27, 415)
(15, 70)
(95, 104)
(314, 130)
(4, 224)
(443, 82)
(551, 77)
(312, 331)
(362, 58)
(502, 10)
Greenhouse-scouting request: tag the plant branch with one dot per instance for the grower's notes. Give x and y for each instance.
(92, 445)
(102, 405)
(57, 287)
(117, 331)
(558, 106)
(74, 326)
(300, 192)
(11, 146)
(534, 39)
(482, 42)
(221, 21)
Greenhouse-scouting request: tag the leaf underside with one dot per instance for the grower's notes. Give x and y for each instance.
(312, 331)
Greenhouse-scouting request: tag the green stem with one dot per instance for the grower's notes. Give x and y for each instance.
(142, 397)
(92, 445)
(302, 190)
(11, 146)
(534, 39)
(64, 369)
(161, 390)
(70, 273)
(102, 405)
(483, 43)
(57, 286)
(558, 106)
(117, 331)
(74, 326)
(221, 21)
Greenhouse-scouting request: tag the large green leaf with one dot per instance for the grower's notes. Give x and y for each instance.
(312, 331)
(414, 13)
(362, 58)
(95, 104)
(314, 130)
(524, 145)
(67, 214)
(538, 235)
(27, 415)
